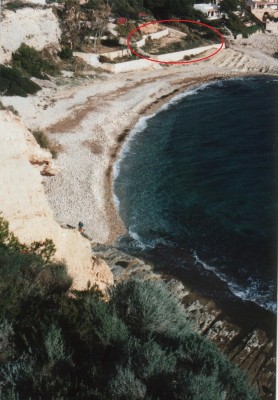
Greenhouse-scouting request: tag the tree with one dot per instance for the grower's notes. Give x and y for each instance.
(71, 23)
(99, 20)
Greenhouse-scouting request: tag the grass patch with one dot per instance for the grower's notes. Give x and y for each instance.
(12, 83)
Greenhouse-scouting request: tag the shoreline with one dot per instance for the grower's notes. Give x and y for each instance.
(154, 107)
(89, 118)
(267, 316)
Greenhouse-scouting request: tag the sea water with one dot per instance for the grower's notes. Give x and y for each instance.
(201, 174)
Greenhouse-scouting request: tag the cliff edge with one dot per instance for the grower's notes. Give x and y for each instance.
(39, 27)
(24, 204)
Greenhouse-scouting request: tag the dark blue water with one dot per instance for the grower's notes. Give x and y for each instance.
(201, 173)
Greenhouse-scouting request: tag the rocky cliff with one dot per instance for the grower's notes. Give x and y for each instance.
(37, 27)
(24, 205)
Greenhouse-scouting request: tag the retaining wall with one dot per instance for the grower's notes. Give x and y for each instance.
(137, 65)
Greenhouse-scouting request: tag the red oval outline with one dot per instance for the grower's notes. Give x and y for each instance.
(174, 20)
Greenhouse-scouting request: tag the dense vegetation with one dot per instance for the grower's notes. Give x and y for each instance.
(12, 83)
(136, 345)
(16, 5)
(159, 9)
(30, 62)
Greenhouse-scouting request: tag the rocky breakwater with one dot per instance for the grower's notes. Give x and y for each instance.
(247, 343)
(24, 205)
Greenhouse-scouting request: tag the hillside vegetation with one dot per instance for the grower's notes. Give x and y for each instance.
(77, 345)
(13, 83)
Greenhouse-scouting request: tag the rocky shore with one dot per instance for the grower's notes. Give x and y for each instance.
(247, 336)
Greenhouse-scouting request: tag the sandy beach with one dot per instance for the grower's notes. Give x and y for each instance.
(90, 117)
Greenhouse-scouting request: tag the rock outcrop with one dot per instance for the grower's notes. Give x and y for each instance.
(37, 27)
(24, 205)
(245, 344)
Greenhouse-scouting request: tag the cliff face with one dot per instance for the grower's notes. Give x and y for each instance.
(24, 204)
(34, 26)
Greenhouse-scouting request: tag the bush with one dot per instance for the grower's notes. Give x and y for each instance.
(125, 386)
(16, 5)
(151, 360)
(148, 307)
(200, 387)
(45, 143)
(124, 29)
(12, 83)
(99, 324)
(30, 61)
(66, 53)
(6, 340)
(54, 344)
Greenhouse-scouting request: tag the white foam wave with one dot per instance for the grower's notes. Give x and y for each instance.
(250, 293)
(139, 242)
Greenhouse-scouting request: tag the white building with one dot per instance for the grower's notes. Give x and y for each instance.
(211, 11)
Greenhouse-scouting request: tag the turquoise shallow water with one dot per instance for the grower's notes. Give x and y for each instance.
(201, 173)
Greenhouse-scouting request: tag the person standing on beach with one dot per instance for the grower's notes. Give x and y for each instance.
(81, 227)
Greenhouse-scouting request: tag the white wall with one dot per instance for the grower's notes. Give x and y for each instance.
(178, 56)
(154, 36)
(115, 54)
(138, 65)
(90, 58)
(135, 65)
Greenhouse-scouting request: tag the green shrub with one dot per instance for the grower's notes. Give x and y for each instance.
(12, 83)
(12, 372)
(125, 386)
(16, 5)
(124, 29)
(65, 53)
(148, 307)
(99, 324)
(149, 359)
(9, 243)
(29, 60)
(54, 279)
(6, 340)
(200, 387)
(54, 344)
(238, 386)
(43, 140)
